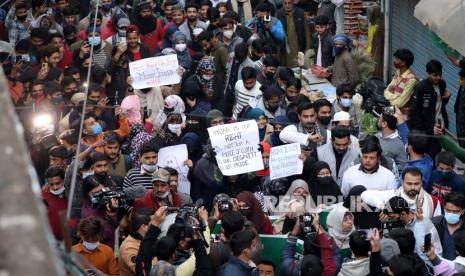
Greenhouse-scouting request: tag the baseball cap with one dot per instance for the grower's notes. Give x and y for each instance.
(161, 175)
(123, 22)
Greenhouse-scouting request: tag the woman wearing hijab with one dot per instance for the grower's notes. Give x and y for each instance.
(251, 209)
(168, 34)
(264, 129)
(340, 224)
(211, 83)
(298, 190)
(136, 140)
(180, 45)
(324, 189)
(170, 132)
(265, 148)
(286, 223)
(363, 219)
(173, 103)
(344, 68)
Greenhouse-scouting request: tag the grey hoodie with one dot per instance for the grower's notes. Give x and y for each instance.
(358, 267)
(393, 147)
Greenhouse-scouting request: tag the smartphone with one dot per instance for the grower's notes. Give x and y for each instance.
(427, 243)
(45, 65)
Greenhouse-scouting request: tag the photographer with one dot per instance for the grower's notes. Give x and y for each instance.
(231, 222)
(185, 231)
(112, 212)
(315, 239)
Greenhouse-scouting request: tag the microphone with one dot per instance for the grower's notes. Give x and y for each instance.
(134, 192)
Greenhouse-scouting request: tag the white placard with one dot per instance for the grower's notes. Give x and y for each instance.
(236, 146)
(285, 161)
(155, 71)
(174, 157)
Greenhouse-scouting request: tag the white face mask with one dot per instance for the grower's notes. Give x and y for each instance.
(180, 47)
(91, 246)
(163, 196)
(228, 33)
(174, 128)
(149, 168)
(207, 77)
(59, 191)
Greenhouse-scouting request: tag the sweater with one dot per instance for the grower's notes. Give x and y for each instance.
(357, 267)
(440, 186)
(382, 179)
(243, 96)
(55, 205)
(393, 147)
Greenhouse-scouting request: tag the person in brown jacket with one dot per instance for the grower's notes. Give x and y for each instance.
(344, 69)
(128, 251)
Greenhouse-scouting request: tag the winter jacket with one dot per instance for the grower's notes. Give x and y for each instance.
(220, 56)
(299, 23)
(344, 70)
(393, 147)
(440, 225)
(440, 186)
(326, 154)
(327, 58)
(423, 103)
(184, 28)
(425, 165)
(237, 267)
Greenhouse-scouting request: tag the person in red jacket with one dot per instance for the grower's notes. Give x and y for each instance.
(55, 198)
(160, 195)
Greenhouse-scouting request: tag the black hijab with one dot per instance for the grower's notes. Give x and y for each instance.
(319, 188)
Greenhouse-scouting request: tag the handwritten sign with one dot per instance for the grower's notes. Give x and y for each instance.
(156, 71)
(284, 161)
(236, 147)
(174, 157)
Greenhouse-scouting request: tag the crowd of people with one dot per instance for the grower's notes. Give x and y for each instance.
(378, 193)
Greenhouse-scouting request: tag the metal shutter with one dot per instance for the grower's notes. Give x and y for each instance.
(408, 32)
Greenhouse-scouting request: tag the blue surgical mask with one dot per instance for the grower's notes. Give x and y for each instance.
(57, 100)
(94, 40)
(97, 129)
(451, 218)
(91, 246)
(345, 102)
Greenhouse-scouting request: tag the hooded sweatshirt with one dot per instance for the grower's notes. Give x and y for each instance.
(358, 267)
(425, 165)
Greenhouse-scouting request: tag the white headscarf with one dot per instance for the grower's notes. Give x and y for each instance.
(172, 101)
(334, 223)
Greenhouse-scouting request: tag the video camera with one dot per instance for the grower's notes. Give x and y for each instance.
(101, 199)
(223, 201)
(187, 224)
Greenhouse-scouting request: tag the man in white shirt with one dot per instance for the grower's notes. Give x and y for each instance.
(369, 173)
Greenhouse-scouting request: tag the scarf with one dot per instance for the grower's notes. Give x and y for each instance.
(130, 107)
(257, 216)
(319, 189)
(424, 199)
(206, 65)
(255, 114)
(334, 223)
(184, 58)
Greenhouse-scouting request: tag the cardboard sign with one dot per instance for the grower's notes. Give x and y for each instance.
(236, 146)
(156, 71)
(284, 161)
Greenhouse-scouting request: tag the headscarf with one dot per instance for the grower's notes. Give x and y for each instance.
(334, 223)
(169, 30)
(194, 145)
(298, 183)
(130, 107)
(184, 58)
(206, 65)
(342, 38)
(257, 216)
(133, 132)
(254, 114)
(173, 103)
(320, 189)
(138, 137)
(266, 148)
(280, 120)
(214, 114)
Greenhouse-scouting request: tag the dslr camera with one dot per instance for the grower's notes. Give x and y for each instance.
(101, 199)
(223, 201)
(306, 226)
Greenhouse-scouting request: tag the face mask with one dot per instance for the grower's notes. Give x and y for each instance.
(451, 218)
(97, 129)
(122, 33)
(234, 28)
(22, 18)
(246, 212)
(325, 180)
(70, 41)
(86, 174)
(221, 14)
(207, 77)
(163, 196)
(149, 168)
(180, 47)
(94, 40)
(345, 102)
(174, 128)
(91, 246)
(57, 100)
(266, 164)
(107, 7)
(338, 50)
(228, 33)
(59, 191)
(324, 120)
(272, 107)
(444, 174)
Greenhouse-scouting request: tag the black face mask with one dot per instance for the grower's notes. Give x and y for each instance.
(22, 18)
(246, 212)
(339, 50)
(325, 180)
(70, 41)
(324, 120)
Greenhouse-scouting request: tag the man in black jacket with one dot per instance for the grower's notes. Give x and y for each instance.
(429, 101)
(297, 33)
